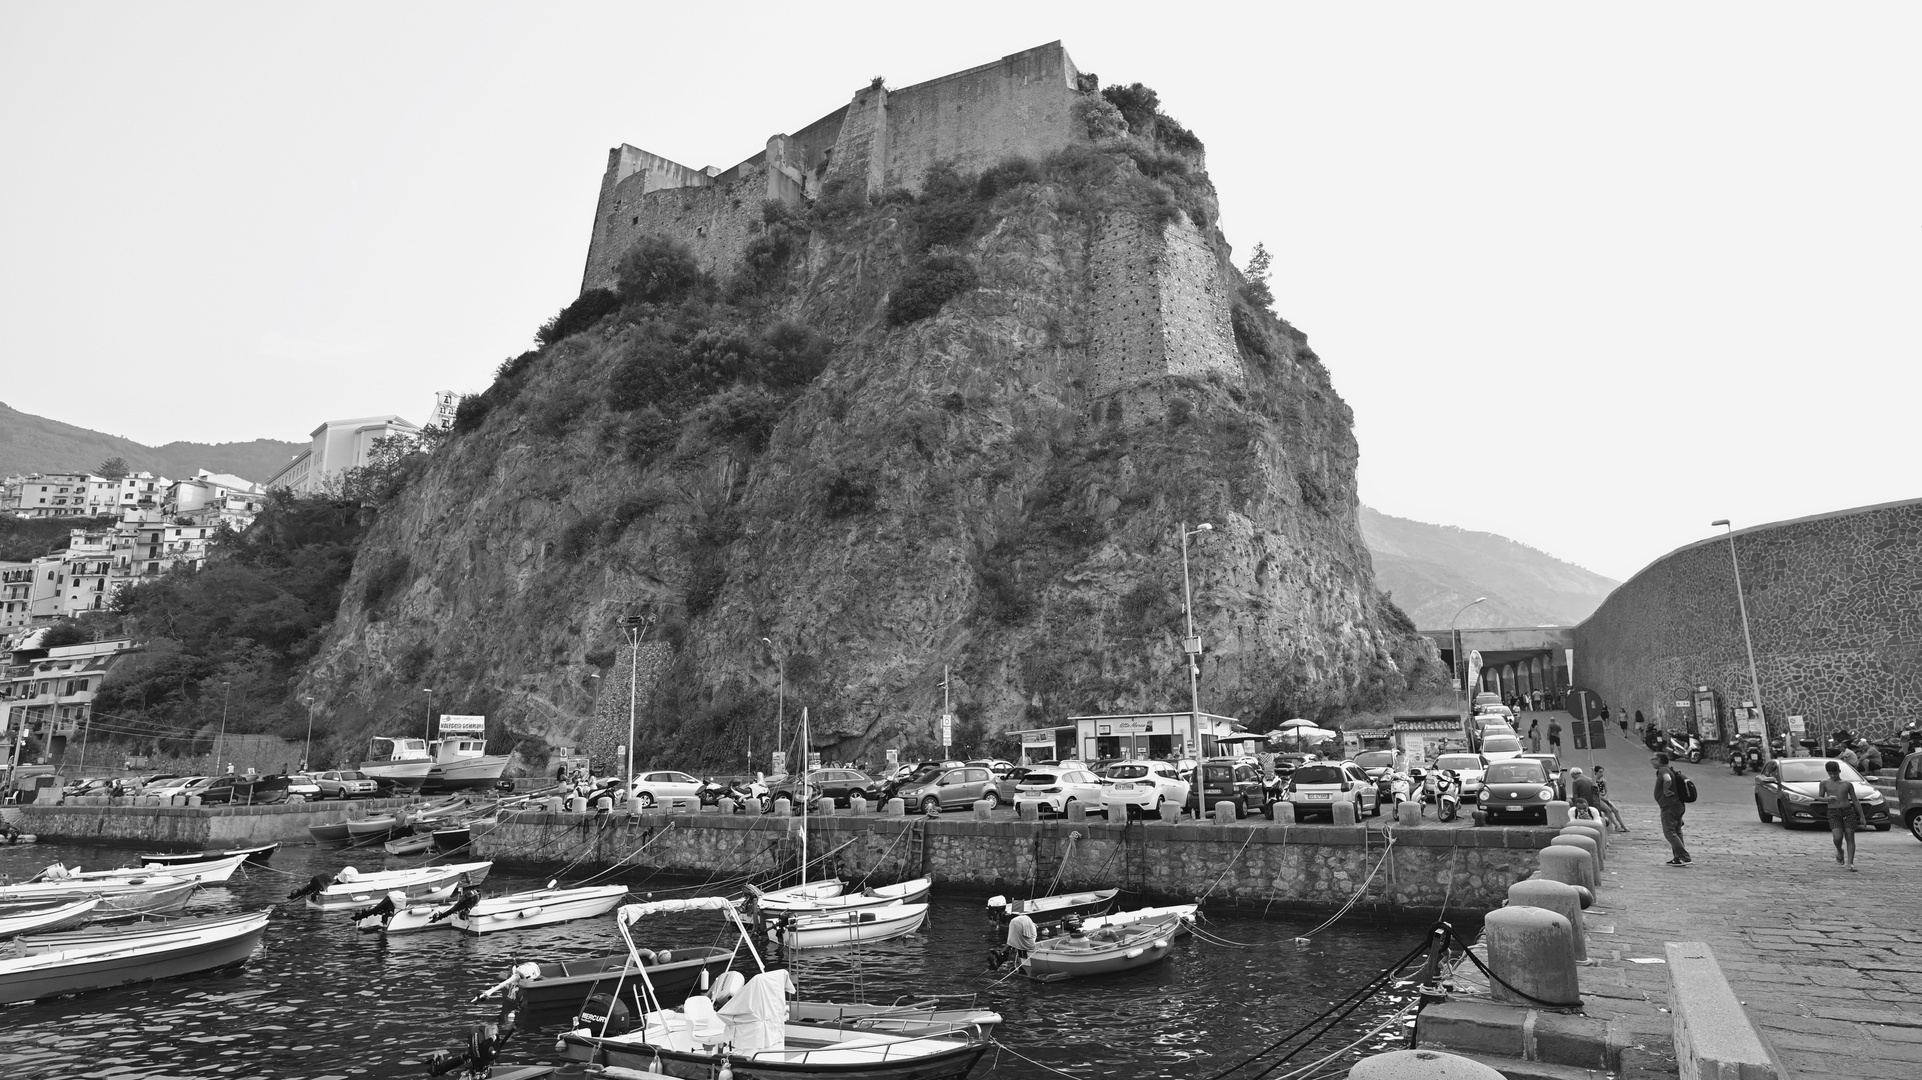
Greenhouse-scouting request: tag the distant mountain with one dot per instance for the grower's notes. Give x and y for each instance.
(1432, 570)
(31, 443)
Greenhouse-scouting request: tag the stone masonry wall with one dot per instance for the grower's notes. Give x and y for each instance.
(714, 221)
(1017, 106)
(191, 826)
(1158, 306)
(1288, 867)
(1835, 607)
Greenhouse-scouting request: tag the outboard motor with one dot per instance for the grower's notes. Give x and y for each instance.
(314, 884)
(469, 896)
(604, 1014)
(381, 910)
(476, 1059)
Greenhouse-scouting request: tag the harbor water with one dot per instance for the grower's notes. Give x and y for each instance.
(322, 1001)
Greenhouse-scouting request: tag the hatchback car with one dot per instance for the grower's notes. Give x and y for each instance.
(345, 784)
(1517, 789)
(1009, 785)
(1553, 767)
(1141, 787)
(1501, 747)
(1236, 781)
(654, 787)
(1316, 788)
(951, 789)
(1054, 790)
(175, 786)
(1790, 788)
(841, 785)
(1908, 793)
(305, 785)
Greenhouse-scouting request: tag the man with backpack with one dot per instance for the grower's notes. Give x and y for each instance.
(1673, 792)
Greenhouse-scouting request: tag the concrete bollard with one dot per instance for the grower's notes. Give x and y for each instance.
(1557, 814)
(193, 800)
(1225, 811)
(1563, 900)
(728, 806)
(752, 806)
(857, 805)
(1601, 843)
(1169, 812)
(1344, 813)
(1281, 813)
(783, 808)
(1028, 811)
(897, 807)
(983, 810)
(1077, 812)
(1568, 865)
(1408, 814)
(1533, 950)
(1420, 1065)
(824, 806)
(1581, 843)
(577, 805)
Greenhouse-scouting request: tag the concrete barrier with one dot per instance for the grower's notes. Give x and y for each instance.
(1169, 812)
(728, 806)
(1077, 812)
(1532, 951)
(1562, 899)
(983, 810)
(1408, 814)
(1714, 1038)
(1420, 1065)
(1601, 844)
(783, 808)
(1557, 814)
(1225, 811)
(1028, 811)
(897, 807)
(1344, 813)
(1281, 813)
(824, 806)
(1584, 844)
(857, 805)
(1569, 865)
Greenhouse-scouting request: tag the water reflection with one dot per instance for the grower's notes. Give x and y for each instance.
(322, 1000)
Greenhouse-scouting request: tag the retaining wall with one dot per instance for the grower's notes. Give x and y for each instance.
(189, 826)
(1281, 866)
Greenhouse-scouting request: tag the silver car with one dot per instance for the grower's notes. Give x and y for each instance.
(952, 789)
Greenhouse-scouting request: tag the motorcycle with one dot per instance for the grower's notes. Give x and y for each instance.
(1448, 794)
(1653, 738)
(1900, 745)
(1746, 754)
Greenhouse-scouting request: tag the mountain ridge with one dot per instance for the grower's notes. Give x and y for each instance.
(1431, 571)
(30, 443)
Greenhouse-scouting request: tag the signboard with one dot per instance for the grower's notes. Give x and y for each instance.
(894, 759)
(779, 764)
(1798, 725)
(947, 729)
(1708, 722)
(467, 726)
(814, 760)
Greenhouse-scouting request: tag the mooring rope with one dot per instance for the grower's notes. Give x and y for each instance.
(1355, 899)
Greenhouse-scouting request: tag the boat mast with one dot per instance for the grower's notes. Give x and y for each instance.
(804, 795)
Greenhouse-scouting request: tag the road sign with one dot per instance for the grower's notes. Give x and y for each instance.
(947, 729)
(779, 764)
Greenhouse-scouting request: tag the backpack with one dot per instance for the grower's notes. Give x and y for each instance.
(1684, 787)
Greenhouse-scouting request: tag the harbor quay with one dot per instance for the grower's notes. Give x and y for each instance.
(102, 821)
(1379, 869)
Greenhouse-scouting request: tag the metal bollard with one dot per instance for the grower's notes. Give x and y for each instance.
(1584, 844)
(1281, 813)
(1557, 814)
(1568, 865)
(1028, 811)
(1225, 811)
(1563, 900)
(1532, 950)
(783, 808)
(983, 811)
(1408, 814)
(1344, 813)
(897, 807)
(1420, 1065)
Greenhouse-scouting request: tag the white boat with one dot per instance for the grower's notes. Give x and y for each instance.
(118, 895)
(906, 892)
(115, 963)
(351, 888)
(124, 934)
(812, 890)
(1184, 912)
(460, 757)
(207, 872)
(50, 916)
(540, 907)
(374, 913)
(400, 763)
(856, 926)
(1101, 952)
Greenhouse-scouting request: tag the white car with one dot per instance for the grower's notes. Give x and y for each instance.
(176, 786)
(655, 787)
(1319, 785)
(1501, 747)
(1141, 787)
(303, 785)
(1470, 766)
(1053, 789)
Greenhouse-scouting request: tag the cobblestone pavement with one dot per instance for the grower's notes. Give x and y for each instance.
(1827, 962)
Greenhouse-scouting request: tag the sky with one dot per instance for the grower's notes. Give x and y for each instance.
(1589, 275)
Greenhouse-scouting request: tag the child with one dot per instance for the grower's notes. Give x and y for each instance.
(1581, 811)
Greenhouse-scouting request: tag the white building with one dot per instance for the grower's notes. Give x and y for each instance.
(337, 445)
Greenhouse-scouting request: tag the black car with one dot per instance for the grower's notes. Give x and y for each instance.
(1229, 781)
(1517, 789)
(841, 785)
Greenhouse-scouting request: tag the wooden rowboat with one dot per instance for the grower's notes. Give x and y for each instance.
(410, 845)
(147, 894)
(906, 892)
(854, 926)
(1051, 909)
(96, 967)
(1121, 948)
(257, 855)
(51, 916)
(128, 933)
(673, 975)
(331, 835)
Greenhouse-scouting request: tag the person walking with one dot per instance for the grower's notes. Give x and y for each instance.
(1535, 736)
(1555, 737)
(1668, 797)
(1845, 813)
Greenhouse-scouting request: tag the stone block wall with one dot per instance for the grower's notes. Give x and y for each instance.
(1835, 607)
(1017, 106)
(190, 826)
(715, 221)
(1157, 307)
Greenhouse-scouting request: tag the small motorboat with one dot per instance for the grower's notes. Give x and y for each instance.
(489, 914)
(368, 832)
(673, 973)
(813, 890)
(116, 963)
(854, 926)
(126, 933)
(1101, 952)
(1185, 913)
(410, 845)
(210, 872)
(352, 889)
(257, 855)
(146, 894)
(50, 916)
(906, 892)
(458, 835)
(924, 1017)
(332, 835)
(1052, 909)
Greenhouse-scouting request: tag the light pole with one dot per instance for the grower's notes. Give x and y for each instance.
(780, 697)
(633, 624)
(218, 739)
(947, 726)
(427, 729)
(1754, 684)
(1461, 662)
(1191, 645)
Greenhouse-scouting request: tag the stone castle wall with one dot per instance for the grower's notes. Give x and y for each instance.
(1157, 306)
(1834, 603)
(714, 220)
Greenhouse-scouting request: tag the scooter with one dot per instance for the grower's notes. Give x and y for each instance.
(1682, 744)
(1653, 738)
(1746, 754)
(1448, 794)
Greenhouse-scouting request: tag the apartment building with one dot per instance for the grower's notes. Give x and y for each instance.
(215, 499)
(49, 494)
(50, 692)
(16, 595)
(336, 446)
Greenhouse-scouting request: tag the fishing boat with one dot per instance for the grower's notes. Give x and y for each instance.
(673, 973)
(458, 835)
(460, 758)
(257, 855)
(1101, 952)
(143, 895)
(410, 845)
(49, 916)
(126, 933)
(351, 889)
(116, 963)
(332, 835)
(514, 911)
(812, 890)
(1183, 913)
(397, 764)
(367, 832)
(211, 872)
(906, 892)
(854, 926)
(1052, 909)
(755, 1033)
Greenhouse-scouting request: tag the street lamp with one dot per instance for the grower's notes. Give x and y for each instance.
(947, 725)
(1191, 645)
(1754, 684)
(218, 739)
(780, 698)
(1461, 662)
(634, 625)
(427, 731)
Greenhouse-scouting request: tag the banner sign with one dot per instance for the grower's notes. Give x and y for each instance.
(470, 726)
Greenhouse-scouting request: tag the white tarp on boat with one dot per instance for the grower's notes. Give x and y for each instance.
(631, 913)
(756, 1017)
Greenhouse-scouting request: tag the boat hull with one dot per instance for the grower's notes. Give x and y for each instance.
(446, 840)
(257, 855)
(859, 926)
(542, 908)
(127, 934)
(85, 972)
(331, 835)
(413, 885)
(907, 892)
(568, 985)
(409, 845)
(1052, 909)
(371, 831)
(465, 774)
(119, 896)
(1134, 946)
(403, 776)
(951, 1064)
(54, 916)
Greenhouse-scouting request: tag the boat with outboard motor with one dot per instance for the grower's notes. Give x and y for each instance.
(209, 872)
(477, 914)
(146, 894)
(673, 974)
(1184, 913)
(1080, 954)
(53, 915)
(905, 892)
(125, 933)
(1052, 909)
(849, 926)
(116, 963)
(257, 855)
(349, 888)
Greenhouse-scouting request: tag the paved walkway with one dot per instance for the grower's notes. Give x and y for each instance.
(1827, 962)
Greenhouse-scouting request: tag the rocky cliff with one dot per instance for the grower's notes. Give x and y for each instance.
(955, 428)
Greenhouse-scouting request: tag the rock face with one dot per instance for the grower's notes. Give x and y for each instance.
(997, 488)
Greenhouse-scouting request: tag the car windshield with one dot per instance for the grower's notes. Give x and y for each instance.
(1814, 772)
(1127, 772)
(1516, 772)
(1037, 779)
(1375, 759)
(1319, 774)
(1458, 762)
(1501, 744)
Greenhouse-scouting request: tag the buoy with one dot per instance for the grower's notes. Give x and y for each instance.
(1132, 953)
(530, 912)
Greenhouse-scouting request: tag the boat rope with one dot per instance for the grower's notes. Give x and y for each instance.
(1400, 1015)
(1062, 865)
(906, 828)
(1469, 952)
(1215, 939)
(1219, 878)
(618, 863)
(999, 1045)
(1355, 899)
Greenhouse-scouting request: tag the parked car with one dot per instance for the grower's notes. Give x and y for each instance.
(1553, 767)
(1375, 762)
(153, 784)
(841, 785)
(1229, 780)
(951, 789)
(1789, 788)
(346, 784)
(172, 786)
(1007, 786)
(304, 785)
(1908, 793)
(1470, 766)
(93, 785)
(1133, 788)
(1516, 789)
(1054, 790)
(916, 775)
(1501, 747)
(998, 766)
(653, 787)
(222, 789)
(1317, 787)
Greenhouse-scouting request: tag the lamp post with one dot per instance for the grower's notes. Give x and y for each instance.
(218, 739)
(634, 625)
(1191, 645)
(947, 726)
(427, 727)
(307, 752)
(1754, 684)
(780, 696)
(1461, 662)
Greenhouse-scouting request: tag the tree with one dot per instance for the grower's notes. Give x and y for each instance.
(114, 468)
(1255, 289)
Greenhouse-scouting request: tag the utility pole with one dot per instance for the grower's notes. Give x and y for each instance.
(1754, 683)
(634, 625)
(947, 717)
(222, 737)
(1191, 647)
(780, 698)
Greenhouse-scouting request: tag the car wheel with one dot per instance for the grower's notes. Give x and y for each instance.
(930, 805)
(1915, 824)
(993, 799)
(1782, 811)
(647, 799)
(1763, 814)
(1884, 827)
(1376, 812)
